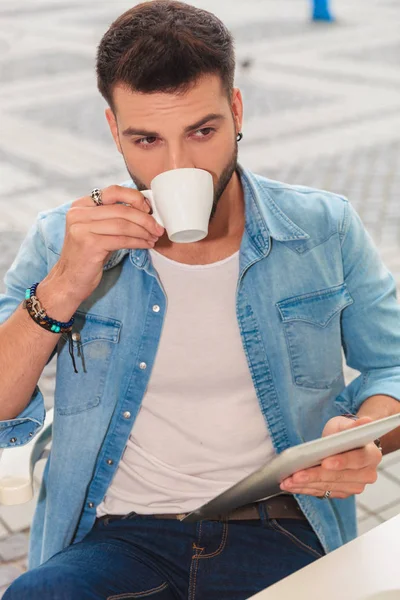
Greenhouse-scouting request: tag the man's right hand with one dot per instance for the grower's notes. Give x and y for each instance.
(94, 232)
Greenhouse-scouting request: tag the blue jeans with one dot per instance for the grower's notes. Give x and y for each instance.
(143, 557)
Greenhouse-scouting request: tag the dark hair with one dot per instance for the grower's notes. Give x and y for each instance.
(164, 46)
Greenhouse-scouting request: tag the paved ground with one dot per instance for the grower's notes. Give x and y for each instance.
(322, 106)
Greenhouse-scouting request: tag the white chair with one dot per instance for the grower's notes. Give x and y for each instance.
(17, 465)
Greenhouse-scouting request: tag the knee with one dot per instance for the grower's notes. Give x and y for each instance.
(24, 587)
(45, 583)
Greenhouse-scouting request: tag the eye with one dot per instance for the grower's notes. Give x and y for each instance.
(204, 132)
(146, 141)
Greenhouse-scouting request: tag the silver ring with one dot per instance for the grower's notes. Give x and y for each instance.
(96, 197)
(326, 495)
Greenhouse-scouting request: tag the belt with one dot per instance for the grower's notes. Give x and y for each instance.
(283, 506)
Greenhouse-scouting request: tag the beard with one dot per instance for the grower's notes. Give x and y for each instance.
(219, 187)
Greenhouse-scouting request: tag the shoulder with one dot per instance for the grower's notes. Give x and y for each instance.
(308, 207)
(51, 224)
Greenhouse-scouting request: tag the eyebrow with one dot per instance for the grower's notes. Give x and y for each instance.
(145, 133)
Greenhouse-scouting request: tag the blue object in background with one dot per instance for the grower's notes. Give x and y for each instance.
(321, 11)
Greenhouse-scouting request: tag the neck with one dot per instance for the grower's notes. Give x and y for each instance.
(224, 233)
(229, 217)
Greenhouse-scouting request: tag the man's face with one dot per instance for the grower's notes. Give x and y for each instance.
(159, 131)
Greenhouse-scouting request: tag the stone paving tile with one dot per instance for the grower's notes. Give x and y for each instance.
(9, 244)
(380, 494)
(368, 524)
(19, 516)
(386, 53)
(394, 471)
(14, 547)
(390, 459)
(391, 512)
(362, 514)
(3, 531)
(16, 180)
(7, 575)
(48, 63)
(77, 115)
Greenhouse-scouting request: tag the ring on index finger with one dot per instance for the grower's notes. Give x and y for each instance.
(96, 197)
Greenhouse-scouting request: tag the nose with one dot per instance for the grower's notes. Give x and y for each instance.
(178, 158)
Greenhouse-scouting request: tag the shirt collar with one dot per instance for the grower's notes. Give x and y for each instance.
(263, 215)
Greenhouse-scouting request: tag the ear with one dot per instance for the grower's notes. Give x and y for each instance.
(237, 108)
(112, 123)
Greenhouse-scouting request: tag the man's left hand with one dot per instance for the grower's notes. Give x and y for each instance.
(343, 474)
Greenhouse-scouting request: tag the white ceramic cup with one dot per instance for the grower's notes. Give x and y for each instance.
(182, 200)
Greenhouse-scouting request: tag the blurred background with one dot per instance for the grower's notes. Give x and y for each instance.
(322, 108)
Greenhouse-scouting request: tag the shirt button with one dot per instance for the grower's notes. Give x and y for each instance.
(156, 308)
(143, 365)
(13, 440)
(127, 414)
(76, 337)
(90, 504)
(110, 461)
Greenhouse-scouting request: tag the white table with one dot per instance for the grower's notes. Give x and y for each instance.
(368, 568)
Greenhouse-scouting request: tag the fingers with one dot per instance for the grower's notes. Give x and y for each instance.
(336, 492)
(337, 424)
(369, 455)
(117, 193)
(121, 227)
(365, 475)
(320, 479)
(87, 214)
(118, 202)
(351, 424)
(116, 242)
(318, 488)
(320, 493)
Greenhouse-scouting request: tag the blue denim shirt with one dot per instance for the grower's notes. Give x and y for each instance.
(311, 283)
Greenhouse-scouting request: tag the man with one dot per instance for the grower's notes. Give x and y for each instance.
(188, 366)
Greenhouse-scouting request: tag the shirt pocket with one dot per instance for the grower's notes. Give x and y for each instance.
(94, 342)
(312, 326)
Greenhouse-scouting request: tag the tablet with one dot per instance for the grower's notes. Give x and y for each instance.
(265, 482)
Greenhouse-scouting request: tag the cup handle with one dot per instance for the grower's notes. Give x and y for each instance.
(149, 195)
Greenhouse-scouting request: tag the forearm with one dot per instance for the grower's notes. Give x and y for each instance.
(379, 407)
(25, 348)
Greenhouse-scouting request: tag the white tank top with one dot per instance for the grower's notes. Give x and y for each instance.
(200, 427)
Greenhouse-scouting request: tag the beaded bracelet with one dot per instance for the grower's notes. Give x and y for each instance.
(39, 315)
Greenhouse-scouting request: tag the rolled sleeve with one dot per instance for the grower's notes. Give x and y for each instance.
(29, 266)
(21, 430)
(371, 324)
